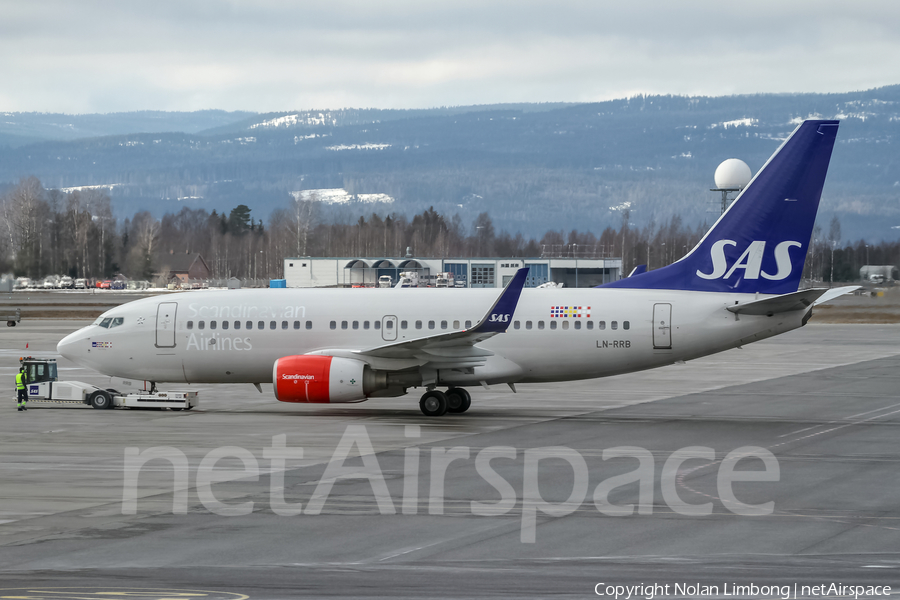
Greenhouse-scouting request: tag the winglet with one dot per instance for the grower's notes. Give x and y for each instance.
(499, 316)
(638, 270)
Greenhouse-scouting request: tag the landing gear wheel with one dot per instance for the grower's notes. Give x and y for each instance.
(458, 400)
(101, 400)
(10, 323)
(433, 403)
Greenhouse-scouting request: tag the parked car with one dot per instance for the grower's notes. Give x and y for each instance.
(80, 284)
(66, 282)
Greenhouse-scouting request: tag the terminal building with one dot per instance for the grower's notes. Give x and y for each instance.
(467, 272)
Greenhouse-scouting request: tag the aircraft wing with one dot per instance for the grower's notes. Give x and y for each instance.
(451, 350)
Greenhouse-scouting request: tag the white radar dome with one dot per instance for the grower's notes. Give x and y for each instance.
(733, 174)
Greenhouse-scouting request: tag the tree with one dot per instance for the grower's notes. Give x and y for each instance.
(834, 236)
(239, 219)
(25, 212)
(145, 233)
(484, 235)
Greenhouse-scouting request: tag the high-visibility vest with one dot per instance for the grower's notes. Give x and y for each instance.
(20, 381)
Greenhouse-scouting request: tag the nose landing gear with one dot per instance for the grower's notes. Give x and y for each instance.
(435, 403)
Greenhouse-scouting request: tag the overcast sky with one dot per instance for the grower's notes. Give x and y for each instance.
(271, 55)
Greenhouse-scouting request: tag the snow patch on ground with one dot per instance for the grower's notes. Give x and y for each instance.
(81, 188)
(358, 147)
(339, 196)
(745, 122)
(294, 121)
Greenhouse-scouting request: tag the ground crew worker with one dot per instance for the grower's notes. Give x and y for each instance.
(21, 381)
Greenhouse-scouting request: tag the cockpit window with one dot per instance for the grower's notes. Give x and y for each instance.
(116, 322)
(105, 322)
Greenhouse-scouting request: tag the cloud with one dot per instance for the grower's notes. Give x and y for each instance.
(267, 55)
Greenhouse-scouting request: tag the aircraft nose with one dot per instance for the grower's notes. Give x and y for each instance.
(68, 345)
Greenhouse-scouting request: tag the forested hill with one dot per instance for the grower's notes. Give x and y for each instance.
(532, 166)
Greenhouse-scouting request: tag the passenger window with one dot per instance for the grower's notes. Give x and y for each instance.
(468, 324)
(365, 324)
(626, 325)
(190, 324)
(418, 324)
(601, 325)
(516, 324)
(105, 322)
(443, 324)
(260, 324)
(333, 325)
(201, 324)
(402, 324)
(272, 324)
(309, 324)
(284, 324)
(343, 324)
(455, 324)
(237, 324)
(355, 324)
(614, 325)
(389, 325)
(430, 324)
(249, 324)
(224, 324)
(527, 324)
(540, 324)
(590, 324)
(296, 324)
(212, 324)
(552, 324)
(577, 324)
(565, 324)
(116, 322)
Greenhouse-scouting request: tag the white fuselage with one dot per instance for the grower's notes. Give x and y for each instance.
(182, 337)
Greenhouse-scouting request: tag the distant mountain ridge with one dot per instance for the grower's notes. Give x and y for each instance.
(17, 129)
(532, 166)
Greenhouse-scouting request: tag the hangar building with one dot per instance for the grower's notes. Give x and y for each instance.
(473, 272)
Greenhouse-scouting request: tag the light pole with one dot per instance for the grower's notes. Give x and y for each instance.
(831, 277)
(575, 252)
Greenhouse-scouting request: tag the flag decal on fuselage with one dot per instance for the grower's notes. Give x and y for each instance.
(570, 312)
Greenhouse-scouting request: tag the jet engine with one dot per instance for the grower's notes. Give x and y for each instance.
(324, 379)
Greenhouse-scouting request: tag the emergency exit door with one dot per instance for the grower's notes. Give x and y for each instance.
(165, 324)
(662, 326)
(389, 328)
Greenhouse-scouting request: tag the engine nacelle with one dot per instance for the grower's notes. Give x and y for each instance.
(323, 379)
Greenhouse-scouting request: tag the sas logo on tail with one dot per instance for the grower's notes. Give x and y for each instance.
(496, 318)
(750, 261)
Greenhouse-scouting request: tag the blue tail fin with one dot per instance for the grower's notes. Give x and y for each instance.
(759, 244)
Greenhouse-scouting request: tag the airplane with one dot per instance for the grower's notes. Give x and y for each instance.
(738, 285)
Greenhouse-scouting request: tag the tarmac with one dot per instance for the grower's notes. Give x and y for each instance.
(823, 401)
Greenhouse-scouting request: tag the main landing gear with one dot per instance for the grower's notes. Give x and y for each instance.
(435, 403)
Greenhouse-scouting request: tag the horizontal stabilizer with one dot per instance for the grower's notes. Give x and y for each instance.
(834, 293)
(780, 304)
